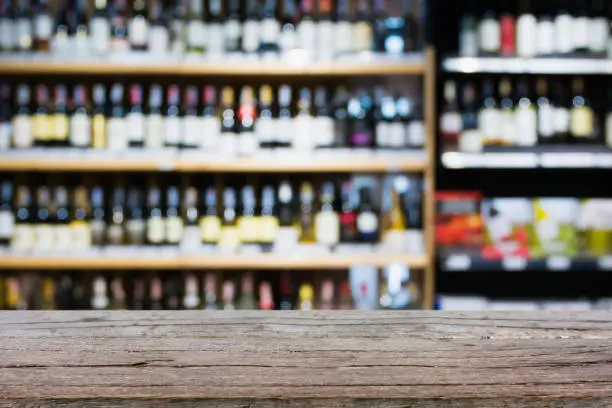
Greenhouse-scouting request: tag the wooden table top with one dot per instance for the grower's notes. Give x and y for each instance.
(306, 359)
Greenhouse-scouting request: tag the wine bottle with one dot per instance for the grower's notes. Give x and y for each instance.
(303, 123)
(450, 119)
(24, 235)
(251, 28)
(348, 216)
(60, 42)
(363, 36)
(228, 138)
(470, 138)
(367, 218)
(287, 233)
(80, 227)
(135, 225)
(345, 300)
(215, 44)
(80, 120)
(155, 121)
(468, 36)
(288, 40)
(322, 124)
(23, 136)
(229, 238)
(411, 197)
(232, 29)
(159, 37)
(41, 129)
(306, 296)
(43, 231)
(526, 32)
(98, 222)
(264, 126)
(171, 294)
(268, 219)
(6, 114)
(78, 28)
(138, 294)
(99, 299)
(210, 292)
(177, 27)
(23, 26)
(324, 30)
(100, 28)
(599, 27)
(506, 112)
(545, 32)
(270, 30)
(380, 26)
(48, 294)
(117, 130)
(247, 297)
(266, 297)
(98, 120)
(43, 26)
(191, 298)
(564, 26)
(196, 28)
(210, 224)
(562, 113)
(228, 291)
(64, 291)
(8, 39)
(192, 133)
(248, 222)
(507, 26)
(405, 117)
(546, 114)
(582, 118)
(340, 116)
(135, 120)
(80, 300)
(172, 120)
(138, 26)
(361, 133)
(156, 228)
(118, 296)
(62, 237)
(286, 292)
(115, 231)
(326, 296)
(156, 293)
(327, 222)
(7, 217)
(580, 32)
(382, 118)
(306, 30)
(119, 27)
(415, 128)
(60, 123)
(210, 124)
(489, 33)
(414, 36)
(488, 115)
(393, 224)
(174, 221)
(525, 117)
(343, 43)
(247, 139)
(284, 124)
(190, 214)
(307, 225)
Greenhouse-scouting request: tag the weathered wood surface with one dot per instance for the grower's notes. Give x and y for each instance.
(299, 359)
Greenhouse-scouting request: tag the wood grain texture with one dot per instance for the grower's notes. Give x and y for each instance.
(300, 359)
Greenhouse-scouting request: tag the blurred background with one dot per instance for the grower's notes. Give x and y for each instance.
(305, 154)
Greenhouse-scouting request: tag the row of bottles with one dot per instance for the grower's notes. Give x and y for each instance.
(275, 217)
(228, 121)
(538, 112)
(208, 27)
(538, 29)
(204, 290)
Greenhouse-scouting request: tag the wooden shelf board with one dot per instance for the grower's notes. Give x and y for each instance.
(254, 262)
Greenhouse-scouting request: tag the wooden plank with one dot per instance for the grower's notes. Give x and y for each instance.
(298, 359)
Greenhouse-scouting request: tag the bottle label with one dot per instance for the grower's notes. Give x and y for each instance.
(43, 27)
(451, 123)
(526, 127)
(80, 235)
(229, 238)
(268, 227)
(7, 34)
(416, 134)
(362, 36)
(228, 142)
(546, 121)
(367, 223)
(598, 34)
(99, 28)
(117, 134)
(196, 34)
(61, 127)
(303, 137)
(306, 36)
(397, 134)
(136, 231)
(41, 126)
(248, 229)
(231, 33)
(174, 229)
(248, 144)
(564, 27)
(155, 230)
(580, 33)
(7, 224)
(191, 237)
(135, 122)
(382, 134)
(490, 36)
(138, 31)
(155, 132)
(581, 122)
(468, 43)
(250, 37)
(284, 128)
(158, 40)
(99, 302)
(265, 129)
(327, 228)
(361, 138)
(210, 229)
(546, 38)
(22, 131)
(172, 131)
(23, 237)
(508, 35)
(508, 126)
(288, 40)
(5, 136)
(115, 234)
(562, 120)
(323, 131)
(23, 28)
(192, 133)
(526, 30)
(98, 125)
(63, 237)
(270, 30)
(325, 47)
(98, 231)
(44, 235)
(343, 41)
(488, 121)
(80, 130)
(215, 39)
(210, 127)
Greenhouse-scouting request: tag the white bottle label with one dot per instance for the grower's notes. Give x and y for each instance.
(22, 131)
(468, 43)
(302, 138)
(247, 144)
(396, 134)
(44, 237)
(264, 127)
(23, 28)
(43, 27)
(306, 33)
(159, 40)
(191, 237)
(367, 222)
(362, 36)
(100, 34)
(526, 41)
(156, 230)
(451, 123)
(284, 134)
(250, 37)
(343, 42)
(546, 121)
(599, 28)
(325, 47)
(211, 129)
(172, 130)
(231, 33)
(490, 37)
(23, 237)
(7, 224)
(609, 130)
(562, 120)
(7, 33)
(416, 134)
(270, 30)
(508, 126)
(174, 229)
(327, 228)
(489, 124)
(382, 133)
(138, 31)
(228, 144)
(581, 122)
(526, 127)
(155, 132)
(192, 133)
(215, 43)
(581, 32)
(196, 34)
(80, 130)
(323, 131)
(564, 28)
(288, 40)
(546, 38)
(470, 141)
(117, 134)
(135, 127)
(63, 237)
(5, 136)
(80, 236)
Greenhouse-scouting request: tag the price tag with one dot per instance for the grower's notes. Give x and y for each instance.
(458, 262)
(605, 262)
(558, 263)
(514, 263)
